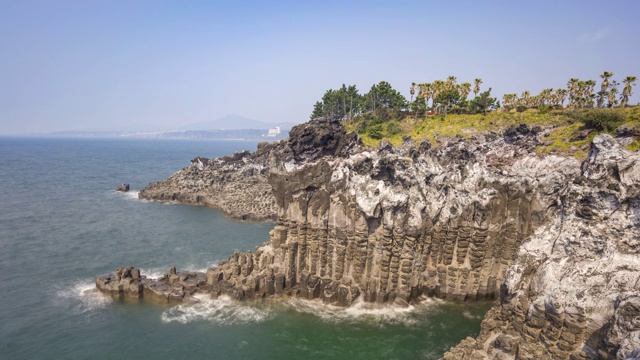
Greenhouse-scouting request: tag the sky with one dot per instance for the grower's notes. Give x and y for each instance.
(154, 65)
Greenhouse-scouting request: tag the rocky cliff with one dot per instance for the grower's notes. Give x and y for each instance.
(554, 240)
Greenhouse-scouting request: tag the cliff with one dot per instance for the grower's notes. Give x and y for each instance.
(554, 240)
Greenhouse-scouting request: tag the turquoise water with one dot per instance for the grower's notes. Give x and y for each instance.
(61, 224)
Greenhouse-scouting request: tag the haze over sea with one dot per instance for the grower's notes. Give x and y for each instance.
(62, 224)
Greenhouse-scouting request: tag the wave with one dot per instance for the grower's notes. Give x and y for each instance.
(157, 272)
(85, 296)
(222, 311)
(225, 311)
(131, 194)
(364, 312)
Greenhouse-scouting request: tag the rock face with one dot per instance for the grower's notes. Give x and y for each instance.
(555, 241)
(574, 289)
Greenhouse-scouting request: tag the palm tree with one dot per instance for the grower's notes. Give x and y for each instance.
(588, 92)
(605, 80)
(611, 98)
(572, 88)
(451, 83)
(412, 91)
(508, 100)
(465, 89)
(559, 96)
(438, 87)
(601, 96)
(476, 87)
(629, 81)
(526, 98)
(428, 93)
(604, 87)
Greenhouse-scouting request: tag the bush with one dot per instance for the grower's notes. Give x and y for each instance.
(393, 128)
(375, 131)
(521, 108)
(599, 119)
(544, 109)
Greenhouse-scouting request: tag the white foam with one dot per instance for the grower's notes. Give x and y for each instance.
(153, 273)
(362, 311)
(221, 311)
(195, 268)
(131, 194)
(86, 295)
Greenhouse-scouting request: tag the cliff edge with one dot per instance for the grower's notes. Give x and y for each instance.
(555, 241)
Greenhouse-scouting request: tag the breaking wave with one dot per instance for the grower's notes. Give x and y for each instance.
(85, 296)
(364, 312)
(226, 311)
(222, 311)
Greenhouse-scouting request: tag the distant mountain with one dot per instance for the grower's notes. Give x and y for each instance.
(233, 122)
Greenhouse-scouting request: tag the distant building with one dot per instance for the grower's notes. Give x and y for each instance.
(274, 132)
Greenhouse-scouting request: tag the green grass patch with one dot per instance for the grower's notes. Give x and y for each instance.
(565, 126)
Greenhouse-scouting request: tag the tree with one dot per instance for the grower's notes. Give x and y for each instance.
(465, 89)
(317, 110)
(482, 103)
(338, 104)
(448, 100)
(509, 100)
(476, 87)
(602, 94)
(384, 96)
(629, 81)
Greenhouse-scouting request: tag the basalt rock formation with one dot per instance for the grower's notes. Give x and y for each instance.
(123, 188)
(174, 286)
(554, 240)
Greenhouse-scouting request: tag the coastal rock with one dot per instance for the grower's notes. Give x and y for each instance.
(238, 184)
(123, 188)
(172, 287)
(555, 241)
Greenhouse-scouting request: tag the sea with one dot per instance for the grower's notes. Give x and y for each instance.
(62, 224)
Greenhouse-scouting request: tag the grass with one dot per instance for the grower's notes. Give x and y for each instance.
(563, 125)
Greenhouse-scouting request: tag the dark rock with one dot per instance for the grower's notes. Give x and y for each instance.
(123, 188)
(627, 131)
(581, 135)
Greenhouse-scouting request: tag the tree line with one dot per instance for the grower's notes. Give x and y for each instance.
(579, 94)
(382, 101)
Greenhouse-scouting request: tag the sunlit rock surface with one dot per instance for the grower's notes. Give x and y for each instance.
(554, 240)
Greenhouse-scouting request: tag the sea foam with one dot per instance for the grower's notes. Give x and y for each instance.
(222, 311)
(84, 296)
(364, 312)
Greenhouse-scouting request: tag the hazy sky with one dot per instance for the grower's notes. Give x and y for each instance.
(94, 65)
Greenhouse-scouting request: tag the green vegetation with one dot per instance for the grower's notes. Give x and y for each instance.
(441, 109)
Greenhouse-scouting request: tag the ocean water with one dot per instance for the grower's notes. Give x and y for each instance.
(62, 224)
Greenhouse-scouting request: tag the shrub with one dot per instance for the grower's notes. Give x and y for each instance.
(393, 128)
(544, 109)
(599, 119)
(375, 131)
(521, 108)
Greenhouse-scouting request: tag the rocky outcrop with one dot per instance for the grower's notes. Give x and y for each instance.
(172, 287)
(554, 240)
(572, 291)
(123, 188)
(238, 184)
(234, 184)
